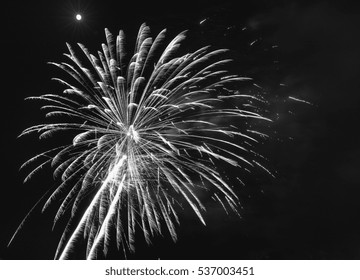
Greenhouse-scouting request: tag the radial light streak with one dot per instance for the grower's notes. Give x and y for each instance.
(151, 130)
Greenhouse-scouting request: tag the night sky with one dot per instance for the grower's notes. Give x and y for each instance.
(305, 49)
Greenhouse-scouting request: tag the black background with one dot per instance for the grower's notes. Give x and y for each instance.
(310, 211)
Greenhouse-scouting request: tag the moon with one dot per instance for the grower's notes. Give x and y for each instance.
(78, 17)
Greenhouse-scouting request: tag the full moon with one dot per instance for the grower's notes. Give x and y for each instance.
(78, 17)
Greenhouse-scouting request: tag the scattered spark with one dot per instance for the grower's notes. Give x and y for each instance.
(253, 42)
(203, 21)
(299, 100)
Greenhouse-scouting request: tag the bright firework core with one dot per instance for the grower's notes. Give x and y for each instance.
(133, 134)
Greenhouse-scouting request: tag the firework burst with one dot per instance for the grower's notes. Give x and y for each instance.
(151, 129)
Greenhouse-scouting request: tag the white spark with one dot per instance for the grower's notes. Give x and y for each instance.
(299, 100)
(203, 21)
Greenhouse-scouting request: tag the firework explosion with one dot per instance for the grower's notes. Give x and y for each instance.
(151, 130)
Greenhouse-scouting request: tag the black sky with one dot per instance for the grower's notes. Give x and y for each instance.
(310, 211)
